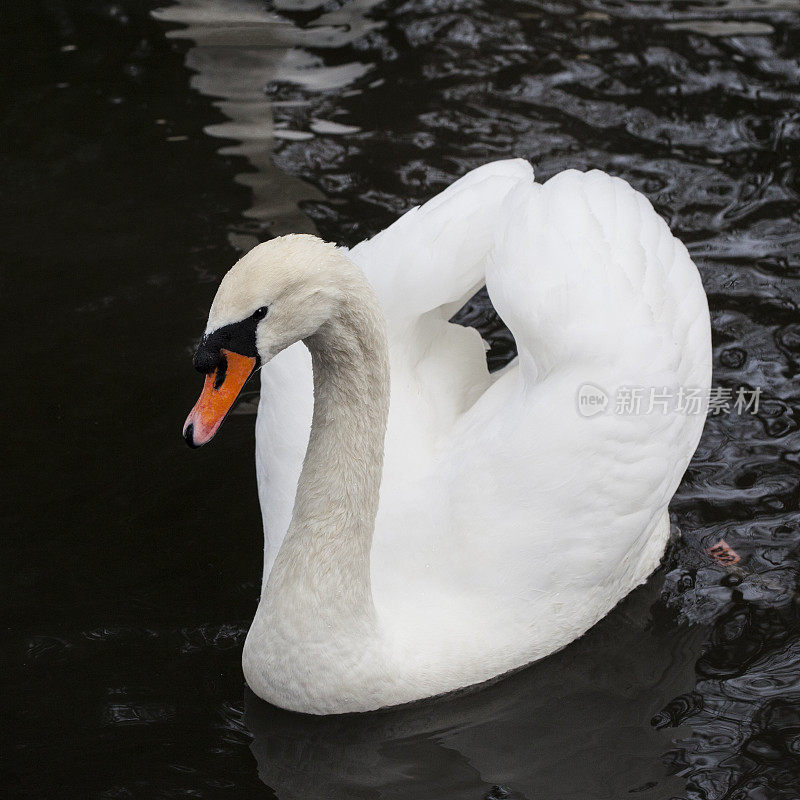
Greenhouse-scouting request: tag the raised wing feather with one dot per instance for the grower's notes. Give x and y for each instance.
(434, 256)
(596, 291)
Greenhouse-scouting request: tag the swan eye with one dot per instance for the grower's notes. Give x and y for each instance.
(260, 313)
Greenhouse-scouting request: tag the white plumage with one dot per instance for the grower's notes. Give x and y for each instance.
(508, 522)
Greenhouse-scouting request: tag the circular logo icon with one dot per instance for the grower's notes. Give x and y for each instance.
(592, 400)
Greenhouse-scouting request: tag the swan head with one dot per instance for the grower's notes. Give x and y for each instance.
(281, 292)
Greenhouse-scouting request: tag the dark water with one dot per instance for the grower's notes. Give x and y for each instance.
(142, 150)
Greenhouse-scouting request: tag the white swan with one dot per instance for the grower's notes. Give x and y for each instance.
(495, 523)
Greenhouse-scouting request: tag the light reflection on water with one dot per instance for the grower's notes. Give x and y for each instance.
(239, 48)
(349, 113)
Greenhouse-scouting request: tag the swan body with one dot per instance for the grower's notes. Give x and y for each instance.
(428, 525)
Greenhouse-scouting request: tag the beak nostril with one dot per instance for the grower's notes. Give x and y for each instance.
(222, 369)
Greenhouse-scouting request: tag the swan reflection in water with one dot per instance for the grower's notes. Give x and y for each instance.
(575, 725)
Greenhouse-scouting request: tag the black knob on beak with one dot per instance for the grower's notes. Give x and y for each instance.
(206, 359)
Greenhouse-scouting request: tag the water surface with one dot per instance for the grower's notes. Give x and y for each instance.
(145, 148)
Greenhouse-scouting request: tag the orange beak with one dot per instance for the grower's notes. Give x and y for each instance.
(221, 388)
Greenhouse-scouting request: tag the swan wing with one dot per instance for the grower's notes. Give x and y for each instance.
(597, 292)
(433, 257)
(423, 268)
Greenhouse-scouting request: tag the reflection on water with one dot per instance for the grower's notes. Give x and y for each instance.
(356, 111)
(239, 50)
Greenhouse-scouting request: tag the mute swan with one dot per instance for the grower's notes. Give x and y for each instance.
(463, 524)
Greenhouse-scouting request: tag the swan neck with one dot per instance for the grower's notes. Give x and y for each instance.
(328, 543)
